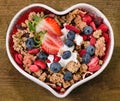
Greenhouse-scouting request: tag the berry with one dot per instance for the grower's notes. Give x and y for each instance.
(87, 30)
(106, 36)
(34, 68)
(66, 54)
(103, 27)
(90, 49)
(72, 28)
(69, 43)
(19, 58)
(86, 58)
(34, 51)
(30, 43)
(71, 35)
(98, 21)
(92, 41)
(87, 19)
(56, 58)
(55, 67)
(94, 61)
(40, 64)
(49, 24)
(67, 76)
(93, 68)
(51, 43)
(42, 55)
(82, 52)
(92, 24)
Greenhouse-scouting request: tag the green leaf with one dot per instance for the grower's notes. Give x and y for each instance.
(36, 19)
(31, 26)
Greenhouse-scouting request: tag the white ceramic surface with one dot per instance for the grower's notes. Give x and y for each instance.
(88, 7)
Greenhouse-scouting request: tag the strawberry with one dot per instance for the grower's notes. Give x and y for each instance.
(50, 25)
(34, 51)
(40, 64)
(19, 58)
(51, 43)
(34, 68)
(93, 62)
(94, 68)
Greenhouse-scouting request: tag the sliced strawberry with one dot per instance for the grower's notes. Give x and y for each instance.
(94, 68)
(94, 61)
(49, 24)
(40, 64)
(34, 51)
(34, 68)
(51, 43)
(19, 58)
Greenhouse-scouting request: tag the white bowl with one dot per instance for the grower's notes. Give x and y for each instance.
(89, 8)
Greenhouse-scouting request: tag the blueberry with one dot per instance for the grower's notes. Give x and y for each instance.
(71, 35)
(86, 58)
(68, 76)
(55, 67)
(69, 43)
(87, 30)
(66, 54)
(90, 49)
(42, 55)
(30, 43)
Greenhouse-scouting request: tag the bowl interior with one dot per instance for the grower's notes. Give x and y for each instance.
(22, 15)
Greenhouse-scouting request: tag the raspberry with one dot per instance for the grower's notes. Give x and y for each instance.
(92, 24)
(56, 58)
(94, 68)
(58, 88)
(34, 68)
(93, 62)
(103, 27)
(92, 41)
(82, 52)
(87, 19)
(72, 28)
(106, 36)
(34, 51)
(84, 37)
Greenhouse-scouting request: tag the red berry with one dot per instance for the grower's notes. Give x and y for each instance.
(40, 64)
(56, 58)
(72, 28)
(92, 41)
(34, 51)
(87, 19)
(58, 88)
(92, 24)
(94, 61)
(48, 61)
(94, 68)
(84, 37)
(82, 52)
(106, 36)
(103, 27)
(34, 68)
(19, 58)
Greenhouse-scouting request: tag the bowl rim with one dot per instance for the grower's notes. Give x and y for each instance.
(79, 5)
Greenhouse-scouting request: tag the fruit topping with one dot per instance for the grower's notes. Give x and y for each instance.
(87, 30)
(40, 64)
(30, 43)
(66, 54)
(86, 58)
(67, 76)
(55, 67)
(42, 55)
(71, 35)
(90, 50)
(69, 43)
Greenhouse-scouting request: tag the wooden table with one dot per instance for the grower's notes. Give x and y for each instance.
(15, 87)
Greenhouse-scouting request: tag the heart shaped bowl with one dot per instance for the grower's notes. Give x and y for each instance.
(20, 16)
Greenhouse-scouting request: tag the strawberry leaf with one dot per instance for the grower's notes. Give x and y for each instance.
(31, 26)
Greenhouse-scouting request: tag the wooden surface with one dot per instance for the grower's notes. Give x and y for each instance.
(15, 87)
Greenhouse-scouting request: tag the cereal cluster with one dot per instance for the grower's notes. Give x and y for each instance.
(61, 50)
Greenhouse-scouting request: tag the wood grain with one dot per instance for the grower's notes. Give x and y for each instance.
(15, 87)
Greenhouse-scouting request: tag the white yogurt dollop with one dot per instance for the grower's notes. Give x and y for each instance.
(78, 39)
(51, 58)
